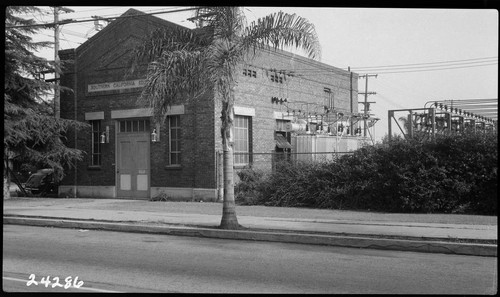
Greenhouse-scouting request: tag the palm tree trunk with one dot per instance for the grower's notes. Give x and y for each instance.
(6, 182)
(229, 219)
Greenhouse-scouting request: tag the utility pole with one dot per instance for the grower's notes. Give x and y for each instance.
(366, 103)
(57, 66)
(57, 61)
(351, 101)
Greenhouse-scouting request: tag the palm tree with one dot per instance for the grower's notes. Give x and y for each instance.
(185, 64)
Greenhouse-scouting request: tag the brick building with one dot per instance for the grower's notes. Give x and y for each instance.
(283, 103)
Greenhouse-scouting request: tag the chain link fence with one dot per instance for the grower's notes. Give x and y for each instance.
(267, 161)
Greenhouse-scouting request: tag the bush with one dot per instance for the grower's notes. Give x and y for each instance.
(248, 190)
(453, 174)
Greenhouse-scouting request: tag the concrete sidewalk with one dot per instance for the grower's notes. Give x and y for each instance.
(201, 219)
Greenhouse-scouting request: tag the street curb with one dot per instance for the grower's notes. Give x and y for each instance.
(488, 250)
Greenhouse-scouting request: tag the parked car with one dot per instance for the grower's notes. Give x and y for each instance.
(42, 183)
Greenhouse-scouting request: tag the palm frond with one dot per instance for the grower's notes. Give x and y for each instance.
(164, 40)
(225, 21)
(175, 75)
(224, 58)
(281, 30)
(185, 63)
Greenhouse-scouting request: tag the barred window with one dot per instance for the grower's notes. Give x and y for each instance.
(174, 123)
(328, 98)
(130, 126)
(242, 140)
(277, 78)
(251, 73)
(96, 144)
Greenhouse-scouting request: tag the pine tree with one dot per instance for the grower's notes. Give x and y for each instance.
(32, 134)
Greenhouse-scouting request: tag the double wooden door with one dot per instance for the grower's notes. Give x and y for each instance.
(133, 165)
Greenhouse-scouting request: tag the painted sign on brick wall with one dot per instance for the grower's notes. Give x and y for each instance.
(117, 85)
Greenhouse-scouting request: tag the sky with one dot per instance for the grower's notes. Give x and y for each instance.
(446, 54)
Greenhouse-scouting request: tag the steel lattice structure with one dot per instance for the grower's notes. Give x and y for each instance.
(442, 118)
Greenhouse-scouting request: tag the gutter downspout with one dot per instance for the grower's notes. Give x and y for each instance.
(76, 130)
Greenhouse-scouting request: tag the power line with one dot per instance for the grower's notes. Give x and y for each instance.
(464, 63)
(114, 16)
(74, 33)
(69, 41)
(427, 67)
(384, 84)
(71, 21)
(429, 63)
(320, 72)
(471, 101)
(52, 36)
(479, 107)
(382, 96)
(100, 9)
(447, 68)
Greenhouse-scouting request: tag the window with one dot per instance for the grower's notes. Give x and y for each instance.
(131, 126)
(329, 98)
(277, 78)
(251, 73)
(281, 130)
(96, 144)
(174, 123)
(242, 140)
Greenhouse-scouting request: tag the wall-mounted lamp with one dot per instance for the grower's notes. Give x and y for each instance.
(104, 138)
(154, 136)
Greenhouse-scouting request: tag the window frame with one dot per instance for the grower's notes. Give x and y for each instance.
(244, 155)
(178, 128)
(329, 103)
(95, 147)
(134, 126)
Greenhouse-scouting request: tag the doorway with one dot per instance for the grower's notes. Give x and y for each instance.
(133, 162)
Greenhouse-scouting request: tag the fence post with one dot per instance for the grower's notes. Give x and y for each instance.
(273, 161)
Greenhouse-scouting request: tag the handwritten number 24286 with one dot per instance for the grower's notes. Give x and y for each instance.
(68, 282)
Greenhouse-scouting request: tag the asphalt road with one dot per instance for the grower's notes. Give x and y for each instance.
(126, 262)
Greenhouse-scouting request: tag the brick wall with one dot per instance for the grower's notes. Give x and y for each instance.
(103, 58)
(306, 85)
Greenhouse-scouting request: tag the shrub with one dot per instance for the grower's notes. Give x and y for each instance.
(248, 190)
(453, 174)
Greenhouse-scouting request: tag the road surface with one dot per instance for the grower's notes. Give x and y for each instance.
(129, 262)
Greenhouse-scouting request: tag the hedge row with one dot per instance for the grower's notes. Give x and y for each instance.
(453, 174)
